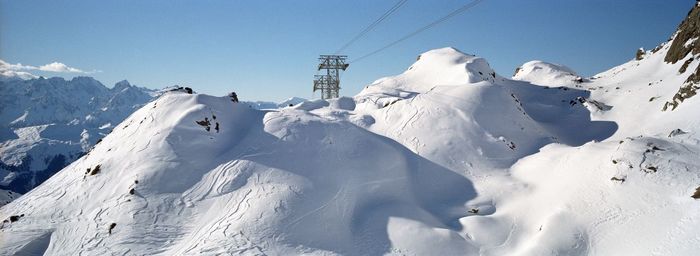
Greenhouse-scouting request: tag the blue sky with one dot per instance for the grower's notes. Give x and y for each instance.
(267, 50)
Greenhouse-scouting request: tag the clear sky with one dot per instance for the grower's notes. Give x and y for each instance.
(267, 50)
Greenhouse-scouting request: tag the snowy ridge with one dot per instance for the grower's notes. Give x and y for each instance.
(273, 105)
(489, 120)
(447, 158)
(49, 123)
(252, 163)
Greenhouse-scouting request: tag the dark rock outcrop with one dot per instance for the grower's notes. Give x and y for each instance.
(640, 54)
(689, 30)
(685, 42)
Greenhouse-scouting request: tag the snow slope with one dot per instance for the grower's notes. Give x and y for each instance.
(447, 158)
(465, 115)
(571, 198)
(411, 165)
(45, 124)
(241, 189)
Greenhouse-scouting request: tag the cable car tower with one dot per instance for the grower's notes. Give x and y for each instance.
(329, 84)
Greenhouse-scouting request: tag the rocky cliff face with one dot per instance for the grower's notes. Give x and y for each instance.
(685, 39)
(685, 43)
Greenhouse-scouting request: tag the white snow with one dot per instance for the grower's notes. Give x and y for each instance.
(273, 105)
(447, 158)
(547, 74)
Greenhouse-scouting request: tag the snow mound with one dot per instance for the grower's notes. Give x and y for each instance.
(445, 66)
(451, 101)
(450, 66)
(547, 74)
(167, 182)
(344, 103)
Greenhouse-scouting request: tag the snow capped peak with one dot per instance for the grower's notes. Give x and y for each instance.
(83, 80)
(446, 54)
(547, 74)
(440, 67)
(274, 105)
(538, 64)
(292, 100)
(449, 66)
(121, 85)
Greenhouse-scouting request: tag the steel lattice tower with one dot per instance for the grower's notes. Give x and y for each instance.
(329, 84)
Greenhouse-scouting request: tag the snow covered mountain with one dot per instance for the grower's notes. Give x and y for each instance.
(548, 74)
(447, 158)
(45, 124)
(49, 123)
(273, 105)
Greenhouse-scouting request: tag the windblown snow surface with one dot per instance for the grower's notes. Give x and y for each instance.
(448, 158)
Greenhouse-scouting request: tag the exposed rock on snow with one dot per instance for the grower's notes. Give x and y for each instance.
(262, 190)
(640, 54)
(676, 132)
(685, 38)
(684, 43)
(455, 164)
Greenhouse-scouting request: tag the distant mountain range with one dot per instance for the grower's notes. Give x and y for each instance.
(45, 124)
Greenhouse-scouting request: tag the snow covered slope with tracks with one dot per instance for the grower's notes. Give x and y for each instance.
(447, 158)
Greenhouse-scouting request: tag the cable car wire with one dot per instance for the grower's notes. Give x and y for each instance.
(424, 28)
(372, 25)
